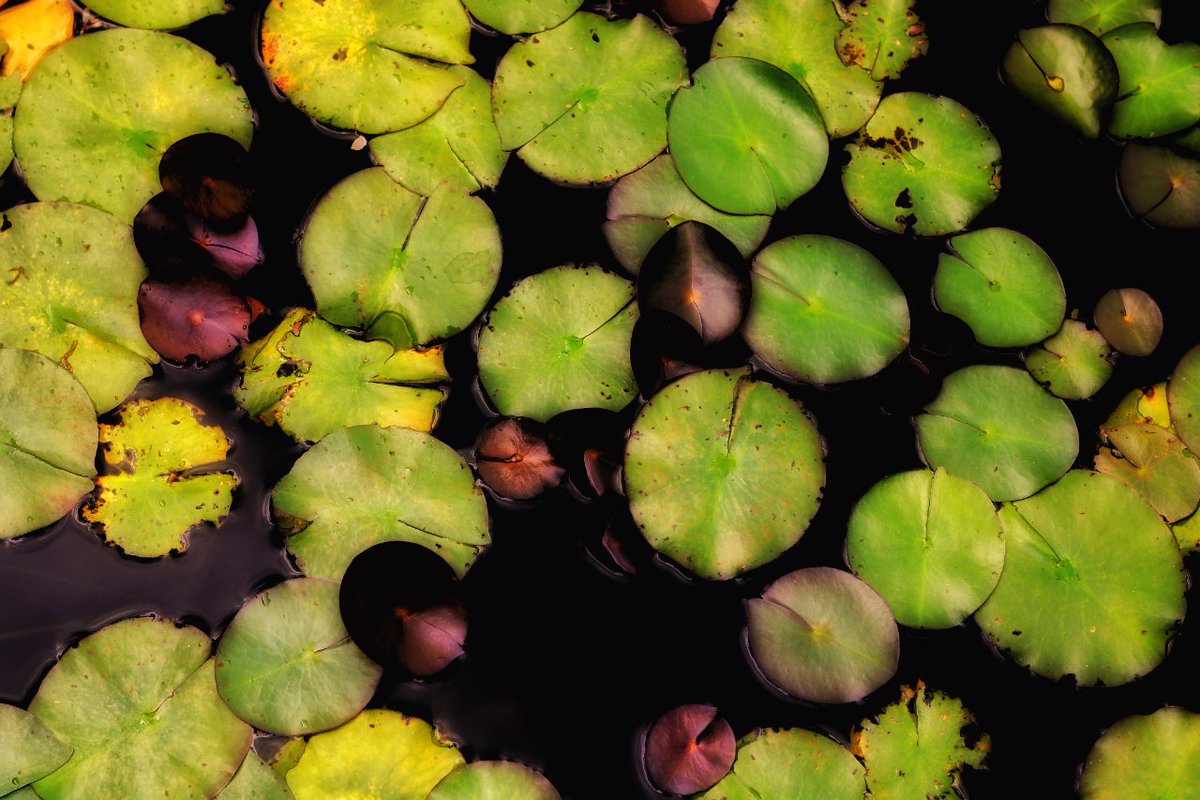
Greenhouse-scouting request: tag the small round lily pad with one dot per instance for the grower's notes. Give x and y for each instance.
(1144, 758)
(1154, 463)
(1159, 91)
(494, 780)
(824, 310)
(882, 36)
(156, 14)
(1183, 397)
(1073, 363)
(29, 751)
(1130, 320)
(1160, 185)
(256, 780)
(997, 427)
(790, 763)
(1101, 16)
(521, 16)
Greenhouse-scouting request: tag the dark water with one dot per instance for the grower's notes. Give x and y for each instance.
(565, 663)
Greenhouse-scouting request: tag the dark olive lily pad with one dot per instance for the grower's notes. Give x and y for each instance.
(1183, 396)
(256, 781)
(513, 457)
(1101, 16)
(1145, 757)
(1130, 320)
(689, 749)
(30, 30)
(157, 14)
(1154, 463)
(1159, 91)
(494, 780)
(1073, 363)
(882, 36)
(790, 763)
(29, 751)
(1160, 185)
(1092, 550)
(521, 16)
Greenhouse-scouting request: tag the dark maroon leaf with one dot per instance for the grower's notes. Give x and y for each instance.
(200, 317)
(165, 242)
(689, 12)
(234, 253)
(513, 458)
(663, 348)
(689, 749)
(209, 174)
(432, 638)
(590, 444)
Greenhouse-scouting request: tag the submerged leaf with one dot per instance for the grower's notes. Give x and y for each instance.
(882, 36)
(209, 175)
(663, 347)
(1130, 320)
(689, 749)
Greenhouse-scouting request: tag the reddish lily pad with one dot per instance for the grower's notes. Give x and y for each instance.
(203, 317)
(513, 457)
(689, 749)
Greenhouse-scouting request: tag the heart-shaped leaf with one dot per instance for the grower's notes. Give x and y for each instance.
(1073, 363)
(202, 317)
(1159, 91)
(1130, 320)
(689, 749)
(790, 763)
(882, 36)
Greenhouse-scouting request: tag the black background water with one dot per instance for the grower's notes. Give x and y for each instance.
(566, 664)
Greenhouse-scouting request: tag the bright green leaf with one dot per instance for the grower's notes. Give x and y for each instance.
(494, 780)
(1073, 363)
(159, 14)
(790, 763)
(1159, 91)
(1101, 16)
(521, 16)
(1183, 396)
(256, 781)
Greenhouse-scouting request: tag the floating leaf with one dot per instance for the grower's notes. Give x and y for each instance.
(1160, 185)
(29, 751)
(1183, 396)
(1090, 549)
(790, 763)
(825, 310)
(689, 749)
(234, 253)
(882, 36)
(361, 486)
(1187, 534)
(1073, 363)
(578, 108)
(1101, 16)
(923, 163)
(1142, 405)
(537, 364)
(204, 318)
(136, 700)
(663, 348)
(1159, 91)
(1154, 463)
(288, 755)
(1130, 320)
(256, 781)
(521, 16)
(96, 117)
(512, 456)
(209, 175)
(689, 12)
(695, 462)
(157, 14)
(747, 118)
(1145, 757)
(158, 489)
(31, 30)
(494, 780)
(997, 427)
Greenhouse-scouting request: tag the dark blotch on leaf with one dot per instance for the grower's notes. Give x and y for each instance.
(209, 175)
(663, 348)
(689, 749)
(513, 458)
(200, 317)
(162, 234)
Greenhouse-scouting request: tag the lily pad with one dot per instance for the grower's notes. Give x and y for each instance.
(378, 754)
(1142, 405)
(1160, 185)
(69, 278)
(494, 780)
(1130, 320)
(201, 317)
(513, 458)
(1092, 550)
(158, 14)
(368, 65)
(29, 751)
(824, 310)
(1101, 16)
(537, 364)
(96, 117)
(695, 464)
(800, 36)
(31, 30)
(1145, 757)
(791, 763)
(163, 479)
(361, 486)
(1183, 396)
(923, 163)
(410, 269)
(1154, 463)
(1073, 363)
(882, 36)
(256, 781)
(747, 118)
(997, 427)
(47, 443)
(689, 749)
(929, 543)
(1187, 533)
(522, 16)
(211, 176)
(1159, 91)
(138, 703)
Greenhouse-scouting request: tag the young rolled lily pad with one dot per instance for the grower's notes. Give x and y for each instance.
(311, 379)
(923, 163)
(408, 268)
(96, 117)
(1160, 185)
(822, 635)
(791, 763)
(997, 427)
(1130, 320)
(513, 457)
(1092, 550)
(689, 749)
(163, 480)
(745, 117)
(824, 310)
(915, 748)
(31, 30)
(646, 204)
(882, 36)
(929, 543)
(157, 14)
(380, 754)
(695, 463)
(287, 665)
(364, 485)
(256, 781)
(800, 36)
(1154, 463)
(1183, 396)
(47, 443)
(69, 278)
(1067, 72)
(1073, 363)
(368, 65)
(578, 108)
(136, 700)
(29, 751)
(1101, 16)
(494, 780)
(1145, 757)
(537, 364)
(1159, 91)
(521, 16)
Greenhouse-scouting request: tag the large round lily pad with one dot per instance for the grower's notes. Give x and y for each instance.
(1092, 550)
(824, 310)
(1183, 396)
(1073, 363)
(521, 16)
(1101, 16)
(695, 466)
(790, 763)
(494, 780)
(157, 14)
(1160, 185)
(997, 427)
(1159, 91)
(138, 703)
(28, 750)
(100, 110)
(1145, 758)
(361, 486)
(586, 102)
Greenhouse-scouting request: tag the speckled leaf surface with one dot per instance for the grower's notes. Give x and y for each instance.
(882, 36)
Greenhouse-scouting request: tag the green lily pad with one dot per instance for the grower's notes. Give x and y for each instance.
(1130, 320)
(646, 204)
(586, 102)
(158, 489)
(522, 16)
(1183, 396)
(929, 543)
(459, 143)
(380, 754)
(256, 781)
(1092, 550)
(916, 748)
(69, 278)
(1159, 92)
(311, 379)
(1187, 534)
(287, 665)
(410, 269)
(823, 635)
(1142, 405)
(882, 36)
(494, 780)
(1065, 71)
(1073, 363)
(799, 36)
(29, 751)
(1160, 185)
(1145, 758)
(367, 65)
(997, 427)
(138, 703)
(747, 118)
(923, 163)
(1101, 16)
(361, 486)
(537, 364)
(695, 464)
(24, 793)
(97, 114)
(790, 763)
(288, 755)
(156, 14)
(47, 443)
(1154, 463)
(824, 310)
